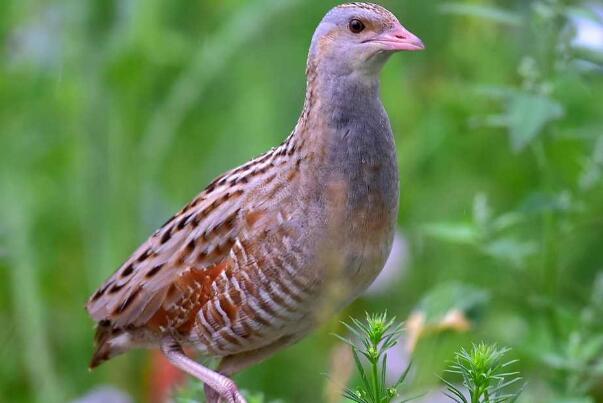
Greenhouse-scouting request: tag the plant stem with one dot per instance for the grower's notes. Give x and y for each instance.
(374, 364)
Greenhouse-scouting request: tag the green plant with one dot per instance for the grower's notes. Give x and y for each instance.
(483, 372)
(374, 337)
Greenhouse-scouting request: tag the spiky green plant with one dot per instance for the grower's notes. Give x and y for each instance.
(373, 338)
(484, 374)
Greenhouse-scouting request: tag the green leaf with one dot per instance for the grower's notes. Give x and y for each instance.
(511, 250)
(526, 116)
(360, 369)
(463, 233)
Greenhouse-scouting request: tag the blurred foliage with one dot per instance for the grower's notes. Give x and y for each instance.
(115, 113)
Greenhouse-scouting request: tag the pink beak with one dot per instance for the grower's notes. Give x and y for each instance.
(398, 38)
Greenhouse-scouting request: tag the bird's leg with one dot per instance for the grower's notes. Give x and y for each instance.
(235, 363)
(232, 364)
(220, 385)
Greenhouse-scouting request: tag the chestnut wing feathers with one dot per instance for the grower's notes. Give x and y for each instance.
(196, 239)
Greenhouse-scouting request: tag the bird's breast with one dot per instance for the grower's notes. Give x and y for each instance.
(361, 193)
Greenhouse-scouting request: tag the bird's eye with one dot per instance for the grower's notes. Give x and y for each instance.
(356, 26)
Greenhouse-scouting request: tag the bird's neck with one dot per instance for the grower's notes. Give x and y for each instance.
(336, 100)
(339, 89)
(347, 133)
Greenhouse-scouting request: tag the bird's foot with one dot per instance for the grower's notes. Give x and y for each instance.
(228, 393)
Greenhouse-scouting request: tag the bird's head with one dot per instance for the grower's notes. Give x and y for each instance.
(357, 38)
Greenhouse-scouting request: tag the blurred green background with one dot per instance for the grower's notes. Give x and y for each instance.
(113, 114)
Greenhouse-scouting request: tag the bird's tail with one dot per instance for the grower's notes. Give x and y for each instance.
(105, 344)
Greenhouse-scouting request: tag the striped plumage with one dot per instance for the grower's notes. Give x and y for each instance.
(188, 276)
(271, 248)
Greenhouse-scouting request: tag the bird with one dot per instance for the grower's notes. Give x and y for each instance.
(271, 249)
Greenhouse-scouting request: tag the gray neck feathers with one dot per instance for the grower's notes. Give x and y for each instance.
(344, 110)
(341, 97)
(344, 117)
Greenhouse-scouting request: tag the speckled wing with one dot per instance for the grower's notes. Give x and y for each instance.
(174, 268)
(229, 264)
